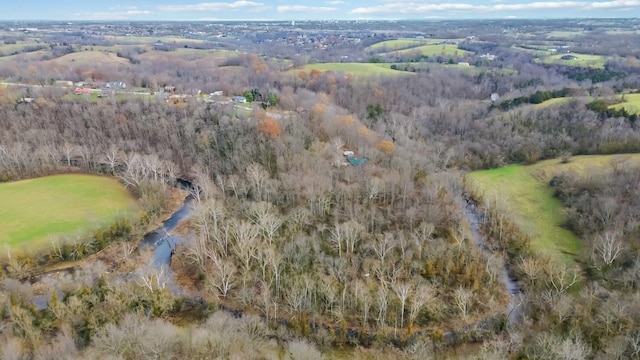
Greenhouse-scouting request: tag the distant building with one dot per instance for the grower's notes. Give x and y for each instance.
(494, 97)
(64, 83)
(85, 91)
(116, 85)
(464, 63)
(239, 99)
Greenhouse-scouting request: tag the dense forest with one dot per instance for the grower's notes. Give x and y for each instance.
(292, 251)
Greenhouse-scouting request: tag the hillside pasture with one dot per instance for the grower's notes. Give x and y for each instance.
(355, 69)
(524, 193)
(582, 60)
(446, 50)
(25, 57)
(92, 58)
(187, 54)
(35, 210)
(631, 103)
(397, 44)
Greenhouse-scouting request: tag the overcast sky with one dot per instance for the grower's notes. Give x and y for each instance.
(311, 10)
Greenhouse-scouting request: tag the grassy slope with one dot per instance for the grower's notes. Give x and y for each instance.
(432, 50)
(529, 199)
(34, 209)
(357, 69)
(96, 58)
(583, 60)
(631, 103)
(397, 44)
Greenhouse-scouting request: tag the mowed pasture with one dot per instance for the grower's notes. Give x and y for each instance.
(582, 60)
(431, 51)
(396, 44)
(95, 58)
(36, 210)
(631, 103)
(524, 194)
(406, 43)
(355, 69)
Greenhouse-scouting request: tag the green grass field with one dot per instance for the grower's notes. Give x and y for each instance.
(631, 103)
(356, 69)
(432, 50)
(34, 210)
(524, 193)
(551, 102)
(583, 60)
(397, 44)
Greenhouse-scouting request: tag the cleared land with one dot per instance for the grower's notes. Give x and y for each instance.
(97, 58)
(524, 193)
(631, 103)
(33, 210)
(582, 60)
(397, 44)
(356, 69)
(432, 50)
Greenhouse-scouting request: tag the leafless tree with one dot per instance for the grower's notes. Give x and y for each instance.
(422, 297)
(267, 220)
(402, 291)
(560, 277)
(258, 178)
(382, 303)
(382, 245)
(222, 277)
(608, 246)
(463, 299)
(153, 278)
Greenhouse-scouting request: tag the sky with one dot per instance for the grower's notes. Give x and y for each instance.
(76, 10)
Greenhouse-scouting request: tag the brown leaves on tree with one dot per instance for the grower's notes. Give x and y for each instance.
(385, 146)
(269, 126)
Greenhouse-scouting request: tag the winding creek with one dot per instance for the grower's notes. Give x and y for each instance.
(163, 244)
(475, 219)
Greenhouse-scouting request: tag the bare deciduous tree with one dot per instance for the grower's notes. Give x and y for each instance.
(608, 246)
(402, 291)
(463, 299)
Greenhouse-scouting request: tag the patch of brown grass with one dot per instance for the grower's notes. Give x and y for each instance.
(96, 58)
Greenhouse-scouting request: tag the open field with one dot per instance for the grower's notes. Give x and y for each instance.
(96, 58)
(397, 44)
(18, 58)
(583, 60)
(551, 102)
(187, 54)
(115, 48)
(356, 69)
(10, 48)
(149, 40)
(564, 34)
(432, 50)
(631, 103)
(524, 193)
(33, 210)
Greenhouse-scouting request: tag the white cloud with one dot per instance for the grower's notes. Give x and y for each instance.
(615, 4)
(336, 2)
(417, 8)
(114, 15)
(305, 9)
(213, 6)
(125, 7)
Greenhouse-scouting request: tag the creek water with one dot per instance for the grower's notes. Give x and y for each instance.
(511, 284)
(162, 243)
(161, 240)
